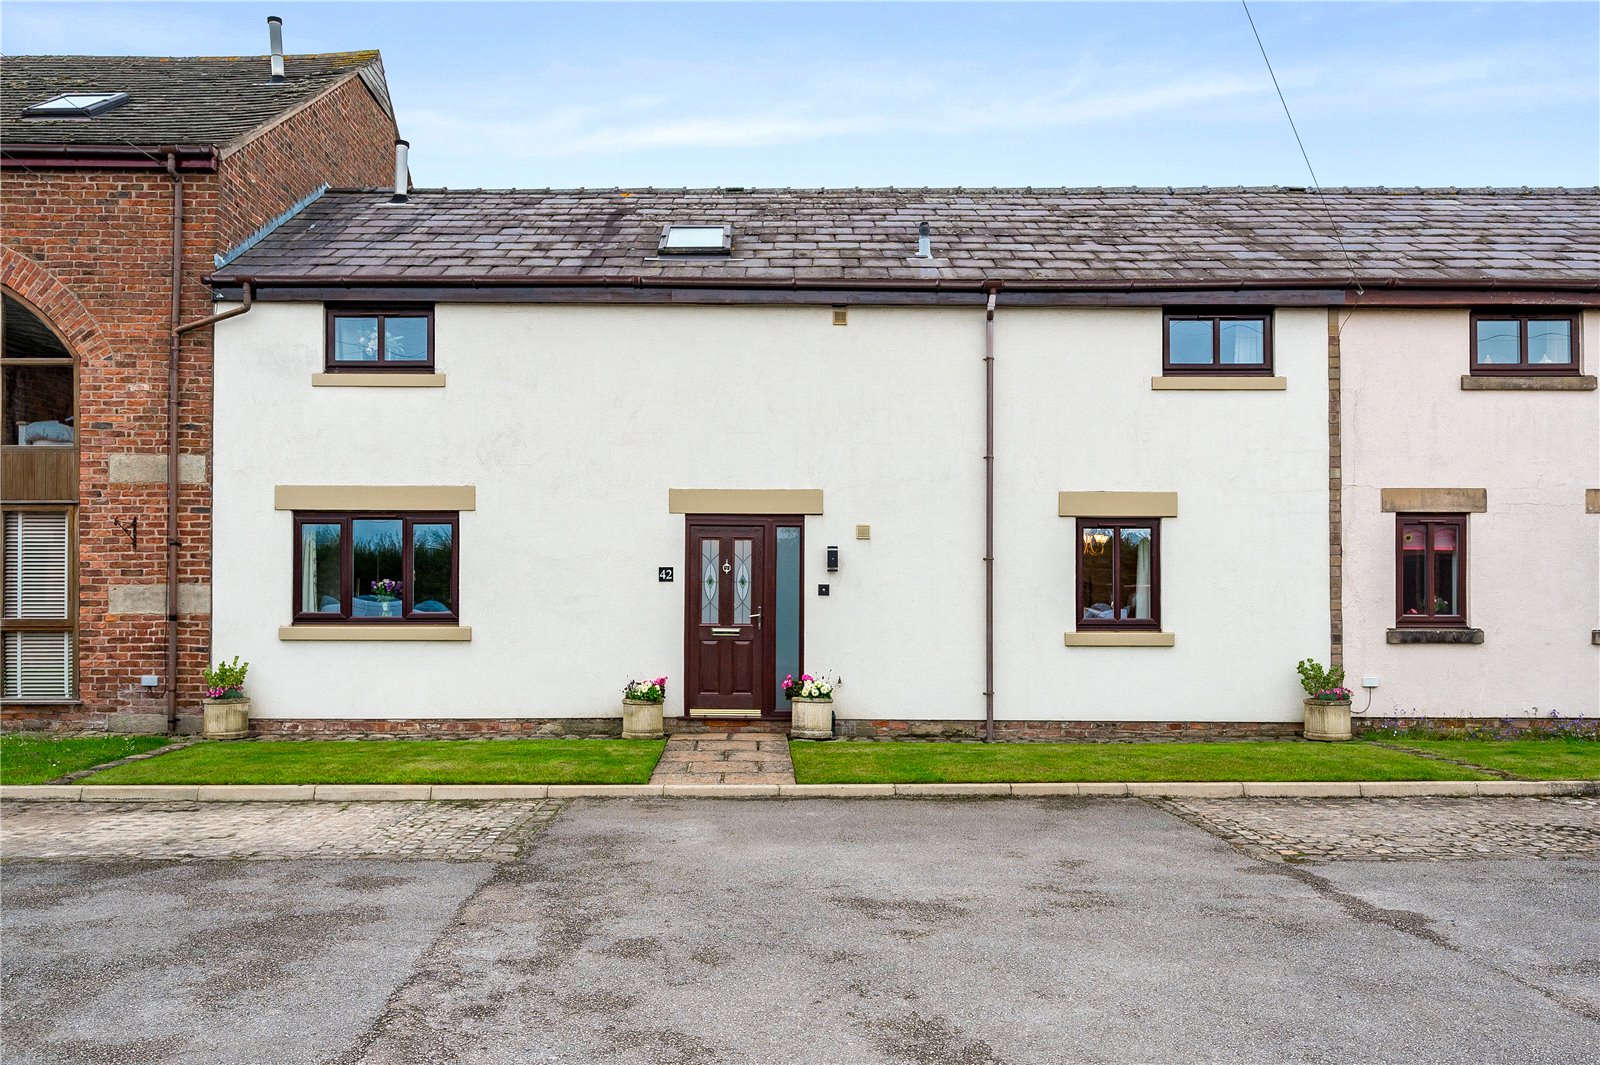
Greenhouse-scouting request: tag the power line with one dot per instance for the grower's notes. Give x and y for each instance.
(1338, 235)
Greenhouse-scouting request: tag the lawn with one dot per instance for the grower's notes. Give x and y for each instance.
(1561, 758)
(398, 762)
(26, 759)
(844, 762)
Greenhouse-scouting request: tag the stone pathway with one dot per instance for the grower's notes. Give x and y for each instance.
(432, 831)
(1399, 830)
(725, 758)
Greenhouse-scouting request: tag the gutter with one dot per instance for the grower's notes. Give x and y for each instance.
(190, 158)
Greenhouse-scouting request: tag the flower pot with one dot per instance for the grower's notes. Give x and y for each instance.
(812, 720)
(1327, 720)
(226, 719)
(641, 720)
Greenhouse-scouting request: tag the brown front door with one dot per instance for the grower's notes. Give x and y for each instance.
(728, 660)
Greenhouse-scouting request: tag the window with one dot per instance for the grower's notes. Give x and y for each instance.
(1206, 343)
(376, 567)
(1119, 574)
(1431, 569)
(1524, 343)
(37, 648)
(76, 105)
(37, 391)
(387, 340)
(696, 240)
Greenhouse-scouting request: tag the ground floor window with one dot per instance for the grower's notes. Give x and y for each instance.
(1119, 574)
(1431, 569)
(379, 567)
(37, 646)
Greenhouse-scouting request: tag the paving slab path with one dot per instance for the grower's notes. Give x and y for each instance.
(725, 758)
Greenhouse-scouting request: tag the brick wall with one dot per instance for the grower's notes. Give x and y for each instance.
(91, 248)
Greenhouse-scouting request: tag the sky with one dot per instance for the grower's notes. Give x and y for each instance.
(530, 95)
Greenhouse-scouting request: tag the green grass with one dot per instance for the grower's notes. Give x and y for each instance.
(1555, 758)
(28, 759)
(398, 762)
(844, 762)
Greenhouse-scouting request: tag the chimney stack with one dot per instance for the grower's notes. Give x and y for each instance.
(402, 171)
(275, 31)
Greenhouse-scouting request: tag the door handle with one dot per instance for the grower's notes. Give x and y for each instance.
(756, 617)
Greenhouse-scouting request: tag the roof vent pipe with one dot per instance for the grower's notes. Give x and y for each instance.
(402, 171)
(924, 242)
(275, 31)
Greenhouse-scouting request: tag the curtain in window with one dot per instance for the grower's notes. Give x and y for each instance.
(1141, 577)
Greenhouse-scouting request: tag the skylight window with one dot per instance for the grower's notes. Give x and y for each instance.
(76, 105)
(696, 240)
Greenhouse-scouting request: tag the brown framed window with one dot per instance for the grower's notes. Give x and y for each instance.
(377, 567)
(386, 339)
(38, 625)
(1509, 342)
(1430, 569)
(1205, 342)
(1119, 573)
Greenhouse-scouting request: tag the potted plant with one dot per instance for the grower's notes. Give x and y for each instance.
(1327, 703)
(227, 708)
(812, 701)
(641, 709)
(386, 592)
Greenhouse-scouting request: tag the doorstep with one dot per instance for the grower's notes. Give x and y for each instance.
(521, 792)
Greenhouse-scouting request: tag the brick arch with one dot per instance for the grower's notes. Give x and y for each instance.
(55, 303)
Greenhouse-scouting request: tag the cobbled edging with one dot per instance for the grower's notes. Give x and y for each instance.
(523, 792)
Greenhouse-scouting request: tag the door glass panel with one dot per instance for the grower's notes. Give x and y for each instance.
(1413, 571)
(710, 582)
(378, 544)
(1134, 559)
(743, 582)
(319, 568)
(786, 635)
(433, 548)
(1097, 592)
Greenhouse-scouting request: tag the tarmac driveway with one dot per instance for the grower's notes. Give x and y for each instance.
(810, 931)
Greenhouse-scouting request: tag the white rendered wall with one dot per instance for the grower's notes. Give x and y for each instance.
(1533, 558)
(574, 421)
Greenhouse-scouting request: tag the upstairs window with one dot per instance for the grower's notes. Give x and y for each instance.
(1119, 574)
(1209, 343)
(1431, 569)
(696, 240)
(76, 105)
(376, 567)
(390, 339)
(1524, 343)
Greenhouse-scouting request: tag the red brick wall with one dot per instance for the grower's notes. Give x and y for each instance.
(91, 248)
(344, 139)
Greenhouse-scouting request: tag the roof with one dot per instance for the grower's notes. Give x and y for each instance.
(207, 100)
(1089, 237)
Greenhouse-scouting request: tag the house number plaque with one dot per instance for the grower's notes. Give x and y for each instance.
(664, 574)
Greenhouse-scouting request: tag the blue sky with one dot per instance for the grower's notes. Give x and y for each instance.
(601, 94)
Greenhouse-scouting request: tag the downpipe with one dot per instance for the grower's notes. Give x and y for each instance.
(993, 288)
(172, 443)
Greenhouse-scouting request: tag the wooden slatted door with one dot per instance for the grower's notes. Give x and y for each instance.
(728, 661)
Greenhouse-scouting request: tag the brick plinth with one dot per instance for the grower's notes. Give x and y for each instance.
(444, 728)
(1069, 731)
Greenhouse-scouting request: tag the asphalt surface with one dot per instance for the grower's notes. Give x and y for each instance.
(660, 931)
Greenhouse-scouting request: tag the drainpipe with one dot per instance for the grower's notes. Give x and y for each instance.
(172, 444)
(993, 288)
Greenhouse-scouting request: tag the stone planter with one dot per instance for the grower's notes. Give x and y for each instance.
(812, 720)
(226, 719)
(641, 720)
(1327, 721)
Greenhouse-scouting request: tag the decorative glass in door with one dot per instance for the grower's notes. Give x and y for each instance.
(743, 582)
(710, 582)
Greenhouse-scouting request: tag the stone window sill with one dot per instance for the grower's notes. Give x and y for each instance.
(1219, 384)
(385, 633)
(1435, 636)
(63, 702)
(377, 380)
(1120, 639)
(1528, 382)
